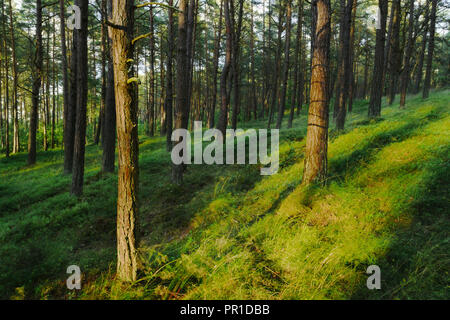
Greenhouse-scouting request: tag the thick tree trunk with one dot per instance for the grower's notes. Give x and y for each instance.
(377, 81)
(315, 168)
(127, 133)
(427, 83)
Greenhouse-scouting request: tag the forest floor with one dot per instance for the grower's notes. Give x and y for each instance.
(230, 233)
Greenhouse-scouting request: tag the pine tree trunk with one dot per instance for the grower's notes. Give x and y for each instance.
(427, 83)
(223, 115)
(169, 79)
(407, 56)
(419, 70)
(315, 168)
(394, 57)
(182, 89)
(81, 101)
(284, 83)
(127, 134)
(298, 44)
(377, 81)
(36, 86)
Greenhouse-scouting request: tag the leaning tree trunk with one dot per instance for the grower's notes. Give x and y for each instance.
(317, 133)
(36, 86)
(127, 134)
(427, 83)
(377, 80)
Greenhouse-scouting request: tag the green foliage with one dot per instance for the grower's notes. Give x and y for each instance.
(229, 233)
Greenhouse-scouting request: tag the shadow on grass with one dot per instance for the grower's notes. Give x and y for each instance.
(417, 262)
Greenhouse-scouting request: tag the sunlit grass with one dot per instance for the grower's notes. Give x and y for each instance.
(229, 233)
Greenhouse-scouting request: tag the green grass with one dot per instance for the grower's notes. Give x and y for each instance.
(229, 233)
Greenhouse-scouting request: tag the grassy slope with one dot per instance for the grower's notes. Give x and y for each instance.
(230, 233)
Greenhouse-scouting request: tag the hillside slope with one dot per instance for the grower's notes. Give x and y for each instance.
(229, 233)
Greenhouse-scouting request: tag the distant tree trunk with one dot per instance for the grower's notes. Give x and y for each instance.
(54, 106)
(223, 116)
(276, 75)
(16, 144)
(62, 27)
(6, 101)
(109, 119)
(235, 65)
(296, 63)
(252, 69)
(182, 90)
(315, 168)
(351, 56)
(343, 68)
(286, 64)
(81, 102)
(127, 134)
(407, 56)
(419, 71)
(169, 78)
(387, 49)
(394, 57)
(427, 83)
(377, 80)
(151, 97)
(36, 86)
(211, 118)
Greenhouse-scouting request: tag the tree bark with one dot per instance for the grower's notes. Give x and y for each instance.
(127, 133)
(315, 168)
(377, 81)
(287, 47)
(296, 63)
(182, 90)
(36, 86)
(427, 83)
(407, 56)
(419, 71)
(81, 102)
